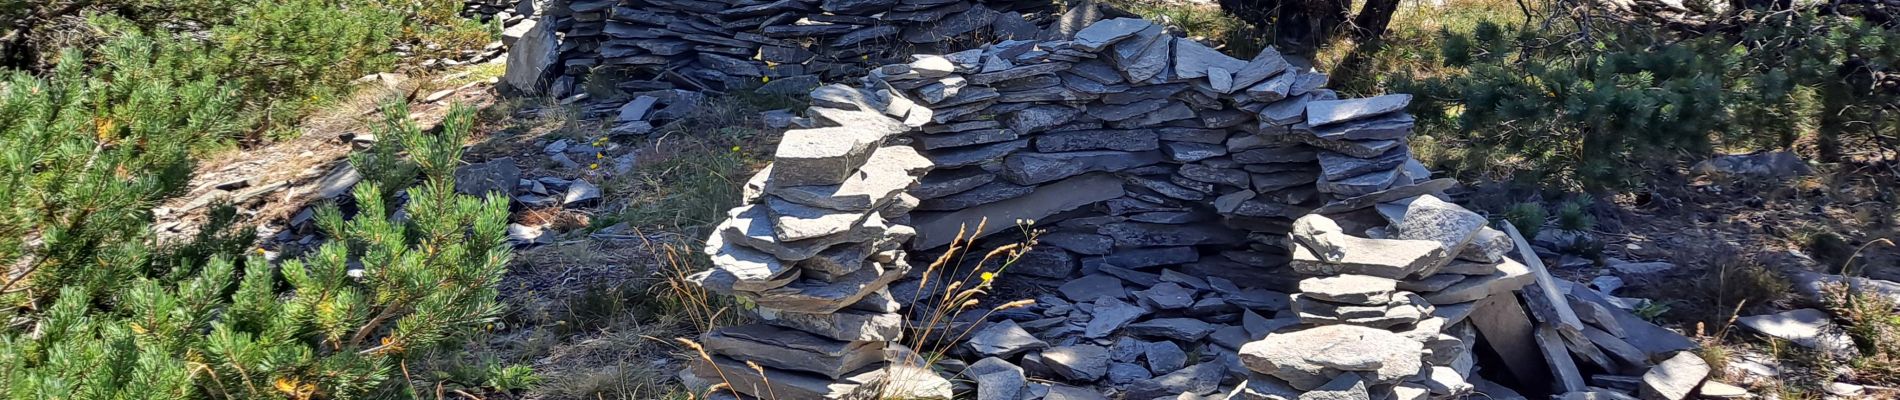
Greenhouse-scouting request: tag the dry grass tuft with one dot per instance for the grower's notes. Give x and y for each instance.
(1733, 284)
(559, 219)
(955, 299)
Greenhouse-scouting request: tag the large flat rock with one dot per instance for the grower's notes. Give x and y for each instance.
(1511, 275)
(791, 349)
(1308, 359)
(1322, 113)
(1428, 218)
(1807, 327)
(821, 156)
(1675, 378)
(1101, 34)
(1386, 258)
(777, 383)
(889, 170)
(793, 222)
(847, 325)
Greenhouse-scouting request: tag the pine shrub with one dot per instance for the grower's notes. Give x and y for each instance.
(1529, 218)
(1602, 112)
(97, 308)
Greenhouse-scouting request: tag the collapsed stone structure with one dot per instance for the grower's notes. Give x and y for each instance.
(1187, 201)
(789, 45)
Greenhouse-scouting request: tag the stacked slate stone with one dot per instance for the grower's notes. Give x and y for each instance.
(789, 45)
(1152, 133)
(814, 247)
(1384, 316)
(1181, 193)
(508, 11)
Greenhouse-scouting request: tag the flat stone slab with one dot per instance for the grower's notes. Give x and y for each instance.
(751, 226)
(1123, 140)
(889, 170)
(1078, 242)
(1004, 339)
(966, 138)
(1265, 65)
(1181, 329)
(791, 349)
(1807, 327)
(1395, 193)
(1675, 378)
(988, 193)
(1350, 289)
(847, 325)
(1092, 286)
(821, 156)
(1336, 166)
(1193, 59)
(1322, 236)
(940, 183)
(1327, 112)
(1166, 296)
(938, 229)
(1364, 184)
(1082, 362)
(1036, 168)
(1106, 32)
(497, 176)
(785, 384)
(1510, 275)
(1145, 56)
(1039, 118)
(1136, 234)
(1110, 315)
(1384, 258)
(742, 268)
(1309, 359)
(818, 296)
(996, 379)
(1194, 380)
(794, 222)
(1428, 218)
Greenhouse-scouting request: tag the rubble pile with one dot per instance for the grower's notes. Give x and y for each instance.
(1205, 226)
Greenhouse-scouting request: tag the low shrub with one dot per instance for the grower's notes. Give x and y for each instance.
(1604, 109)
(102, 310)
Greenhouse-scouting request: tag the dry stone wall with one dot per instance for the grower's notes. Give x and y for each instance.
(1190, 203)
(789, 46)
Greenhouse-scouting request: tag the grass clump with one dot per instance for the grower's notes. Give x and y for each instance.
(690, 190)
(1574, 215)
(1869, 319)
(1732, 286)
